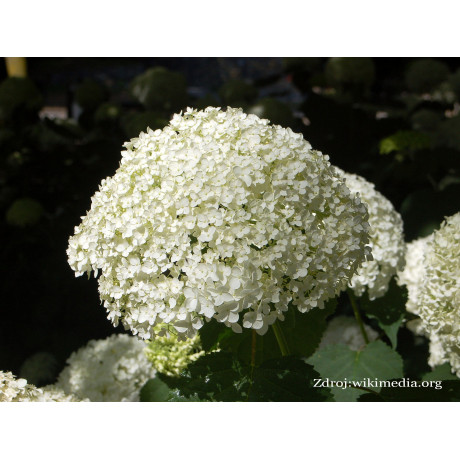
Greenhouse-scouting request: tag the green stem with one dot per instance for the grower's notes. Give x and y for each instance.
(354, 305)
(284, 347)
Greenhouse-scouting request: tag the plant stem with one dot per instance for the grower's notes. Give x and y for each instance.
(284, 347)
(354, 305)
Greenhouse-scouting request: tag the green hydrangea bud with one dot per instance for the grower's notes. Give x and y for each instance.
(171, 356)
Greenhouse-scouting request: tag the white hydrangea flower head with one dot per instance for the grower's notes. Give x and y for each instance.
(219, 215)
(171, 356)
(52, 393)
(112, 369)
(438, 355)
(439, 297)
(412, 276)
(386, 240)
(345, 329)
(16, 390)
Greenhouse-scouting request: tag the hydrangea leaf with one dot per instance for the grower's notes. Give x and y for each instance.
(405, 141)
(287, 379)
(391, 330)
(303, 332)
(214, 377)
(154, 390)
(175, 396)
(220, 377)
(388, 310)
(212, 333)
(442, 372)
(415, 351)
(337, 363)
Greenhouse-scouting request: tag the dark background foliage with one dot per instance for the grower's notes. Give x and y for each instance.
(394, 121)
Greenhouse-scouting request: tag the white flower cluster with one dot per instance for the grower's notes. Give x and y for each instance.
(386, 240)
(345, 329)
(18, 390)
(412, 276)
(219, 214)
(52, 393)
(112, 369)
(439, 297)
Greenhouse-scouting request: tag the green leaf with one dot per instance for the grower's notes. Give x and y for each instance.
(303, 332)
(214, 377)
(442, 372)
(287, 379)
(220, 377)
(405, 141)
(391, 331)
(154, 390)
(175, 396)
(414, 351)
(211, 334)
(376, 362)
(388, 310)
